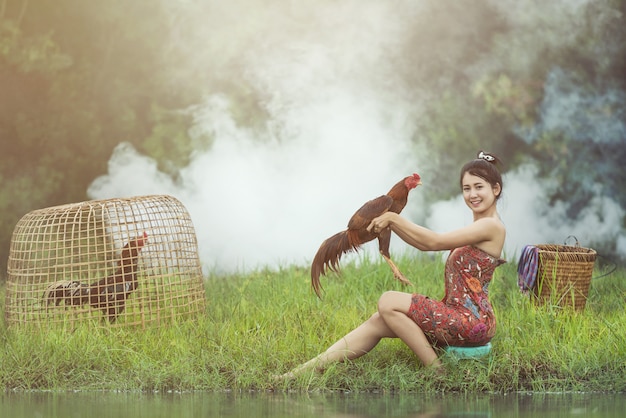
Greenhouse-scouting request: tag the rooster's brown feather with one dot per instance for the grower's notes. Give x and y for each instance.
(330, 252)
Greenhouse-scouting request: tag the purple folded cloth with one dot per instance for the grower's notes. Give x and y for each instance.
(527, 268)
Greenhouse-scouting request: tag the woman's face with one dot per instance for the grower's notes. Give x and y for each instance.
(478, 194)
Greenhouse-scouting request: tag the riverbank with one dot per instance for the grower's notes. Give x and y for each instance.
(266, 322)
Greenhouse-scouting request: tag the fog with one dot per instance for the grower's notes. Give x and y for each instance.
(341, 123)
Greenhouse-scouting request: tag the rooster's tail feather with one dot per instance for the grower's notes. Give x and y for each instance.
(70, 291)
(328, 256)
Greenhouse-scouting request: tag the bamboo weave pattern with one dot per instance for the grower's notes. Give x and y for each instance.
(115, 262)
(564, 275)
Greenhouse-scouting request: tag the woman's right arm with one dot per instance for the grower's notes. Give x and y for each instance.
(425, 239)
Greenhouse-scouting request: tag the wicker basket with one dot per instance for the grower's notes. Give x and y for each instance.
(564, 275)
(115, 262)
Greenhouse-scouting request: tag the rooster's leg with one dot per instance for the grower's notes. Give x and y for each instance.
(396, 271)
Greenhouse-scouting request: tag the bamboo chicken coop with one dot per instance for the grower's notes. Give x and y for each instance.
(115, 262)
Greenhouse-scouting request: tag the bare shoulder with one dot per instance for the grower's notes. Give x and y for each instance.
(491, 222)
(496, 228)
(496, 232)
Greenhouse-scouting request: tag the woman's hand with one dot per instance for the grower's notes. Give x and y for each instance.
(382, 222)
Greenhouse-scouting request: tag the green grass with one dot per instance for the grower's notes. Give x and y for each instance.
(267, 322)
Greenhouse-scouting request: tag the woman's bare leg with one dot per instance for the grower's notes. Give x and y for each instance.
(393, 308)
(390, 321)
(355, 344)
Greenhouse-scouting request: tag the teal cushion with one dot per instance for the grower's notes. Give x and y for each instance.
(468, 352)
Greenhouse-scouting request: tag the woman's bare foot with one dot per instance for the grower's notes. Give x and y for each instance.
(311, 365)
(283, 377)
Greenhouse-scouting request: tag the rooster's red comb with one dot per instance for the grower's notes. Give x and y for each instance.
(141, 240)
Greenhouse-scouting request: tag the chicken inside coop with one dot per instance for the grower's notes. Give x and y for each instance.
(108, 294)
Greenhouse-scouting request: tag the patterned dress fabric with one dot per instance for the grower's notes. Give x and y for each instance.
(464, 317)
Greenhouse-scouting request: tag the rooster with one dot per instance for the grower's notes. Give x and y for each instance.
(109, 293)
(331, 250)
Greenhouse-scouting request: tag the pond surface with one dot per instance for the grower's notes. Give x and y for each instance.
(209, 404)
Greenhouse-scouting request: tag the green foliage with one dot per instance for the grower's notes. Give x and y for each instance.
(30, 54)
(78, 78)
(265, 322)
(168, 141)
(454, 129)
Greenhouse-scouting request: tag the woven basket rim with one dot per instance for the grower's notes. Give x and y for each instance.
(568, 251)
(101, 202)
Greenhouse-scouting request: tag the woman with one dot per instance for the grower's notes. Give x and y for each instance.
(464, 317)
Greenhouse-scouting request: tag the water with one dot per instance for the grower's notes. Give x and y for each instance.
(249, 405)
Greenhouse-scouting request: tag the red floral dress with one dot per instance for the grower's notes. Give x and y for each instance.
(464, 316)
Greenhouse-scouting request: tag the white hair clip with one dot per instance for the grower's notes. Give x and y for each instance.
(486, 157)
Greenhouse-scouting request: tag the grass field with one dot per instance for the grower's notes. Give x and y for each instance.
(266, 322)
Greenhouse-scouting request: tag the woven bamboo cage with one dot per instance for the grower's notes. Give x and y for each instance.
(115, 262)
(564, 275)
